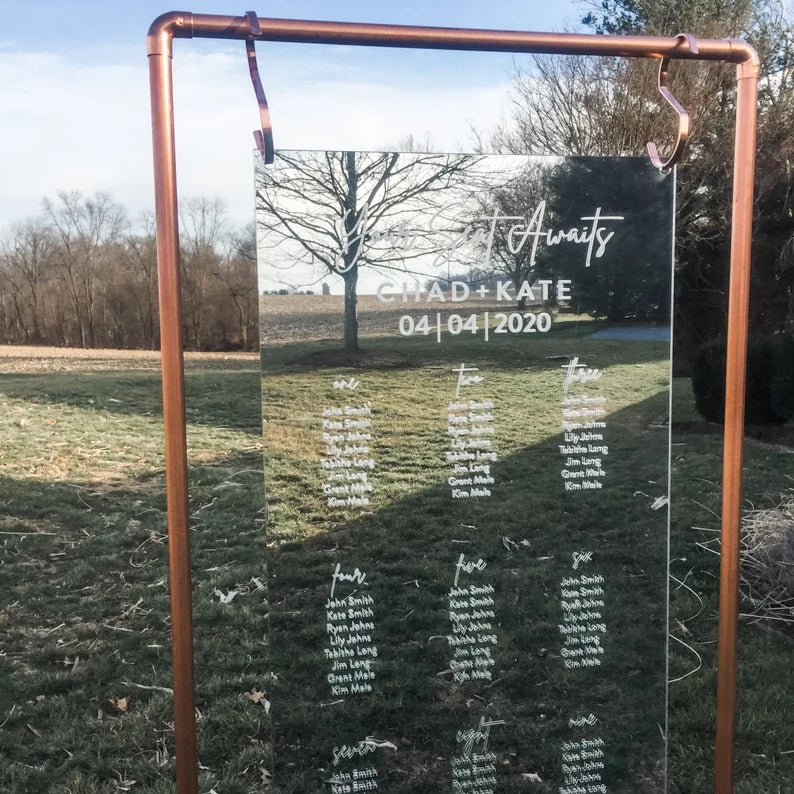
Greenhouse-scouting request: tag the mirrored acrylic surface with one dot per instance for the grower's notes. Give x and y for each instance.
(465, 369)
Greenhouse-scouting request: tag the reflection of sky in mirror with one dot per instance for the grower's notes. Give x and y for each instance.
(440, 234)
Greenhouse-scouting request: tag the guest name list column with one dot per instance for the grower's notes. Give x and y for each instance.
(347, 460)
(470, 428)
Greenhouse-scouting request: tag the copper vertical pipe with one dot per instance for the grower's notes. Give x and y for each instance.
(738, 312)
(161, 86)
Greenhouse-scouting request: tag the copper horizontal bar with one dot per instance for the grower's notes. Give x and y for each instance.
(179, 24)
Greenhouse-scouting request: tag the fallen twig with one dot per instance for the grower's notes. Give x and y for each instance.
(165, 689)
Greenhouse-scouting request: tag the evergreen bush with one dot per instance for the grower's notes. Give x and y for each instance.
(782, 384)
(770, 369)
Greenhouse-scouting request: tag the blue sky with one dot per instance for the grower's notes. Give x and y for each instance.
(75, 109)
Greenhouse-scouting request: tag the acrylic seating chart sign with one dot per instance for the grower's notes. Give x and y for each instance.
(465, 374)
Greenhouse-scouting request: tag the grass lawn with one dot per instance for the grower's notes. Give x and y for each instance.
(84, 627)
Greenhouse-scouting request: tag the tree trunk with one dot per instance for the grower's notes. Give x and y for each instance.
(516, 278)
(354, 238)
(351, 300)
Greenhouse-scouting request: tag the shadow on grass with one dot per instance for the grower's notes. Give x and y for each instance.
(85, 630)
(215, 398)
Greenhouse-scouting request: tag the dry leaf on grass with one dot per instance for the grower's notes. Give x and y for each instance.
(255, 696)
(509, 544)
(225, 599)
(120, 704)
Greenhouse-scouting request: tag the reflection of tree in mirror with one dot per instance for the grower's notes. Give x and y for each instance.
(602, 228)
(322, 213)
(517, 198)
(629, 279)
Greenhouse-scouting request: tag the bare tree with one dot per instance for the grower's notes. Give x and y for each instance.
(203, 226)
(341, 211)
(86, 228)
(82, 275)
(28, 260)
(518, 197)
(136, 284)
(237, 273)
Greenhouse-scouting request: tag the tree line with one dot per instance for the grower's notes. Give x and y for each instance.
(83, 274)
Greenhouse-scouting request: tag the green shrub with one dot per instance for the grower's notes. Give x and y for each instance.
(708, 380)
(782, 384)
(767, 374)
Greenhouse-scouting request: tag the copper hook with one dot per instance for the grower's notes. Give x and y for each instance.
(683, 116)
(263, 137)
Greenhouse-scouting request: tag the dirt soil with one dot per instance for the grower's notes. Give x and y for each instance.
(29, 358)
